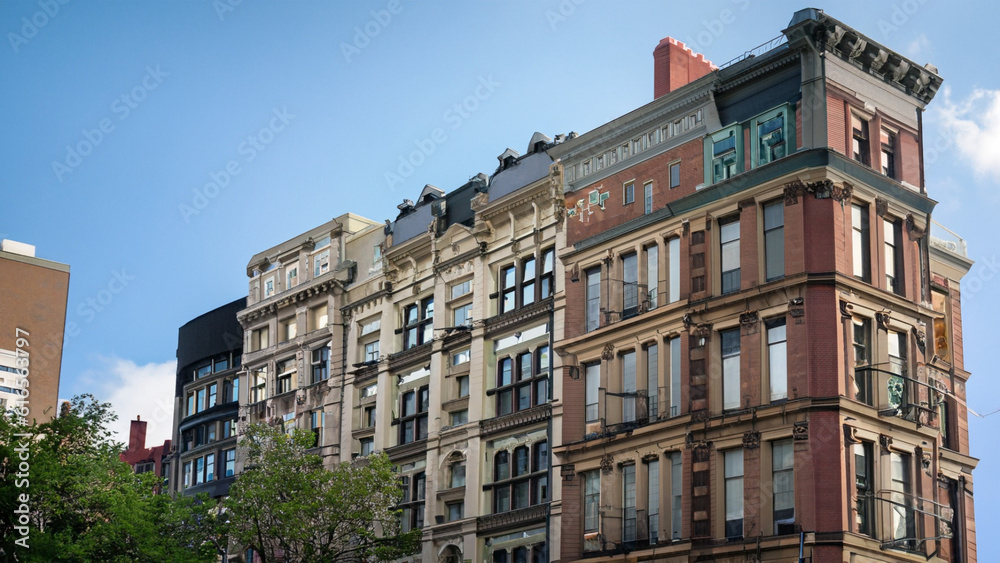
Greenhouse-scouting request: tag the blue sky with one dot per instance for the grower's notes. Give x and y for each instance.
(304, 111)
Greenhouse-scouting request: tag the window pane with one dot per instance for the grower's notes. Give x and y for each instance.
(593, 384)
(731, 368)
(674, 270)
(777, 360)
(628, 387)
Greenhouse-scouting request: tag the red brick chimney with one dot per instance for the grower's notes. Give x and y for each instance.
(674, 65)
(137, 435)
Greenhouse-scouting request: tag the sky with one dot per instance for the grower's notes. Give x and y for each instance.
(156, 146)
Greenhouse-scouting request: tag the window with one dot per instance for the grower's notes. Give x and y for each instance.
(628, 387)
(229, 428)
(288, 422)
(321, 263)
(457, 474)
(461, 288)
(734, 493)
(286, 373)
(675, 175)
(291, 277)
(774, 240)
(903, 517)
(523, 383)
(770, 137)
(289, 329)
(258, 385)
(675, 375)
(201, 393)
(673, 270)
(203, 371)
(652, 275)
(630, 285)
(652, 380)
(463, 385)
(268, 287)
(593, 385)
(725, 155)
(317, 317)
(317, 420)
(259, 339)
(320, 364)
(893, 256)
(231, 390)
(526, 284)
(729, 233)
(368, 417)
(629, 193)
(898, 385)
(653, 500)
(777, 358)
(418, 323)
(455, 510)
(593, 276)
(413, 415)
(783, 478)
(863, 390)
(199, 471)
(730, 368)
(942, 338)
(865, 488)
(187, 474)
(861, 251)
(629, 510)
(459, 417)
(367, 446)
(213, 395)
(414, 490)
(462, 315)
(860, 150)
(591, 500)
(888, 139)
(371, 351)
(209, 433)
(676, 468)
(647, 197)
(229, 458)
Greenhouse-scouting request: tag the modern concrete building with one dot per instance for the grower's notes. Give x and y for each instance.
(33, 294)
(293, 353)
(762, 343)
(206, 403)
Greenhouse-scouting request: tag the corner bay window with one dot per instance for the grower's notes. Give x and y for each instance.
(522, 381)
(527, 282)
(413, 415)
(520, 479)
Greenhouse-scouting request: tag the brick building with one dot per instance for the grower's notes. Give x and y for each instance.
(33, 294)
(762, 344)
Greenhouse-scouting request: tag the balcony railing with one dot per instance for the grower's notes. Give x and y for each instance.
(635, 300)
(896, 394)
(901, 525)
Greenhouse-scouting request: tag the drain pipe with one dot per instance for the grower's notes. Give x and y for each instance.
(802, 541)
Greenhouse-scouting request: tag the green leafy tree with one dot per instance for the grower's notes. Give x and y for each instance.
(84, 503)
(288, 507)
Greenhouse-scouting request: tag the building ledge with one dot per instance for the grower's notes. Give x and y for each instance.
(493, 523)
(516, 420)
(396, 453)
(411, 356)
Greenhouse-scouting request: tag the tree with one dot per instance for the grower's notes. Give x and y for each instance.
(288, 507)
(82, 502)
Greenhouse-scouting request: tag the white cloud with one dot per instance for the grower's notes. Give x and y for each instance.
(143, 390)
(973, 126)
(918, 46)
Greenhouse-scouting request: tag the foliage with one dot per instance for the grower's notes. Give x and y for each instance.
(287, 506)
(84, 503)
